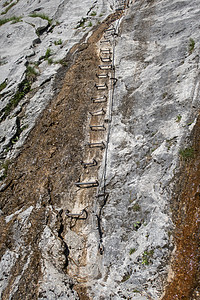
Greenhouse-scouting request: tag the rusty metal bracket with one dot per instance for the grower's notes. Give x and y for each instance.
(87, 184)
(102, 75)
(106, 59)
(99, 99)
(97, 127)
(105, 41)
(114, 80)
(89, 164)
(98, 112)
(100, 145)
(106, 67)
(105, 51)
(101, 86)
(82, 215)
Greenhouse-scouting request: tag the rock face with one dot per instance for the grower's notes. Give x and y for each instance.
(66, 129)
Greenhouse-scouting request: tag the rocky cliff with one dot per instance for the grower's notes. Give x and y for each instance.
(99, 149)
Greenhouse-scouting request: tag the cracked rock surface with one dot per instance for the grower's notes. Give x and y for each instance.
(49, 62)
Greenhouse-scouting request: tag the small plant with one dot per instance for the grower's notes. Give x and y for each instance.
(50, 61)
(59, 42)
(31, 73)
(178, 118)
(5, 166)
(126, 277)
(14, 19)
(137, 225)
(147, 256)
(93, 14)
(3, 85)
(191, 46)
(132, 250)
(187, 153)
(90, 24)
(81, 23)
(7, 3)
(136, 207)
(48, 53)
(42, 16)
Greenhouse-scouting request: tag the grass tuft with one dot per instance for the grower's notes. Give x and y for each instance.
(187, 153)
(42, 16)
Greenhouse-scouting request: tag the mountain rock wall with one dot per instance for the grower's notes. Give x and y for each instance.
(99, 110)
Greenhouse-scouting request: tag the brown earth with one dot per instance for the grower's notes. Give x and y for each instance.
(49, 164)
(185, 283)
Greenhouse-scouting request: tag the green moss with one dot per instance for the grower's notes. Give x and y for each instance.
(136, 207)
(93, 14)
(90, 24)
(187, 153)
(191, 46)
(126, 277)
(48, 53)
(5, 166)
(178, 118)
(14, 19)
(132, 250)
(3, 85)
(146, 257)
(59, 42)
(81, 23)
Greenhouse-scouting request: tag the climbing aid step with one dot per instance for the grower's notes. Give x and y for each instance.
(99, 99)
(82, 215)
(87, 184)
(98, 112)
(100, 145)
(97, 127)
(89, 164)
(101, 86)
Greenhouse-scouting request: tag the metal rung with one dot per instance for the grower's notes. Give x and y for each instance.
(102, 75)
(106, 59)
(90, 164)
(88, 184)
(110, 29)
(99, 99)
(98, 112)
(105, 51)
(109, 34)
(101, 86)
(77, 216)
(97, 145)
(106, 67)
(105, 41)
(97, 127)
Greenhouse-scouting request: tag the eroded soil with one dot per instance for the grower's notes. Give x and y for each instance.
(185, 265)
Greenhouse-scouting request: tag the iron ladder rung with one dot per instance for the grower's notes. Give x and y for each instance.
(98, 112)
(106, 67)
(106, 59)
(77, 216)
(101, 86)
(102, 75)
(97, 127)
(105, 51)
(100, 145)
(99, 99)
(89, 164)
(87, 184)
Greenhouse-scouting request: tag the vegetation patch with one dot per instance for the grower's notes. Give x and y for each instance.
(5, 166)
(23, 88)
(9, 7)
(93, 14)
(132, 250)
(81, 23)
(42, 16)
(146, 257)
(3, 85)
(14, 20)
(191, 46)
(187, 153)
(136, 207)
(59, 42)
(178, 118)
(126, 277)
